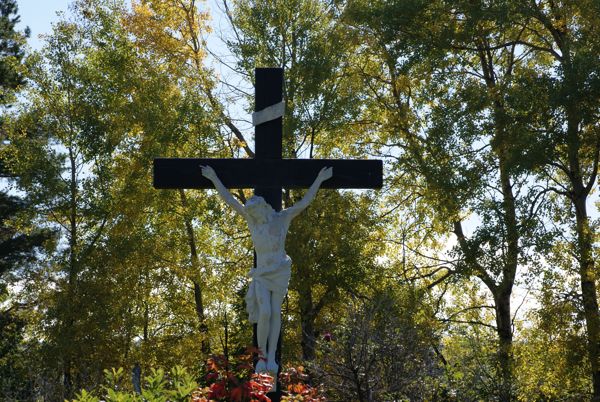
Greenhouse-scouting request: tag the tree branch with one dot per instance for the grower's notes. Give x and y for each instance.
(470, 259)
(592, 180)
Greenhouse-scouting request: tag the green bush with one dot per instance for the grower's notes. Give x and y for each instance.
(223, 380)
(177, 385)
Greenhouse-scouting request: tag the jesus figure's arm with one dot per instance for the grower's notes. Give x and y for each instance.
(310, 195)
(211, 175)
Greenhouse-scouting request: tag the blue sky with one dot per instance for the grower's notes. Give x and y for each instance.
(38, 15)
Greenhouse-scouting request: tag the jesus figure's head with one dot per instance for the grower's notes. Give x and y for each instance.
(258, 209)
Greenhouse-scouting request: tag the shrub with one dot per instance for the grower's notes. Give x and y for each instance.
(221, 380)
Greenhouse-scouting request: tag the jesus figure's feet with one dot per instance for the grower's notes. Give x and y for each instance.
(272, 368)
(261, 366)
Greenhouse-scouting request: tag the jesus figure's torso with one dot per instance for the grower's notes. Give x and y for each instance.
(269, 240)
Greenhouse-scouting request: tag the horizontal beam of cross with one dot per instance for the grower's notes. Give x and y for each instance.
(172, 173)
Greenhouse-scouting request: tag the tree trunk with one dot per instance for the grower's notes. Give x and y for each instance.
(504, 353)
(146, 320)
(202, 327)
(72, 278)
(579, 194)
(205, 344)
(509, 270)
(308, 338)
(588, 290)
(307, 318)
(67, 380)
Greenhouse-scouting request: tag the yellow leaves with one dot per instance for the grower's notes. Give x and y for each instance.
(402, 84)
(169, 32)
(238, 144)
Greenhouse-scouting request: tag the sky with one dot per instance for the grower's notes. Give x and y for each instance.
(38, 15)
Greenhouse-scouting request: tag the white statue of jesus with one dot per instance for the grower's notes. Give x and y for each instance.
(271, 276)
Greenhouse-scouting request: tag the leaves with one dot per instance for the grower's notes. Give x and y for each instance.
(482, 239)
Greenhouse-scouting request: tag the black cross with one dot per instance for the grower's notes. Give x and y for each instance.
(267, 172)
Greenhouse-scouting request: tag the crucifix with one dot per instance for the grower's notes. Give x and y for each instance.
(268, 173)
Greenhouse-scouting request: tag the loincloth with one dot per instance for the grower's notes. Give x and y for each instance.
(274, 278)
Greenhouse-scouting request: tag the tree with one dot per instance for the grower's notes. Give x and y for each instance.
(333, 256)
(105, 101)
(463, 130)
(553, 353)
(12, 70)
(381, 350)
(305, 38)
(19, 248)
(61, 148)
(153, 24)
(20, 242)
(564, 36)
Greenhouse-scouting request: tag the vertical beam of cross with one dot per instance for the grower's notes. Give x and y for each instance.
(268, 144)
(268, 136)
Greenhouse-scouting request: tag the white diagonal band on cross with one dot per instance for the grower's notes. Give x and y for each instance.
(269, 113)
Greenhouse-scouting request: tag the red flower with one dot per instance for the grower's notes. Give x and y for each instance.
(217, 391)
(236, 394)
(212, 376)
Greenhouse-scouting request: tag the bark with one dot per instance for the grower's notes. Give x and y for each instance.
(504, 290)
(501, 291)
(72, 277)
(199, 305)
(205, 343)
(146, 320)
(67, 380)
(307, 318)
(504, 353)
(584, 250)
(588, 291)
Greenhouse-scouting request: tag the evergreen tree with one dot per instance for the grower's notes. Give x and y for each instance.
(18, 244)
(11, 50)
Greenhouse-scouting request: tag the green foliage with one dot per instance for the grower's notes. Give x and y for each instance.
(21, 243)
(21, 240)
(333, 256)
(464, 136)
(12, 52)
(224, 380)
(177, 385)
(485, 113)
(552, 358)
